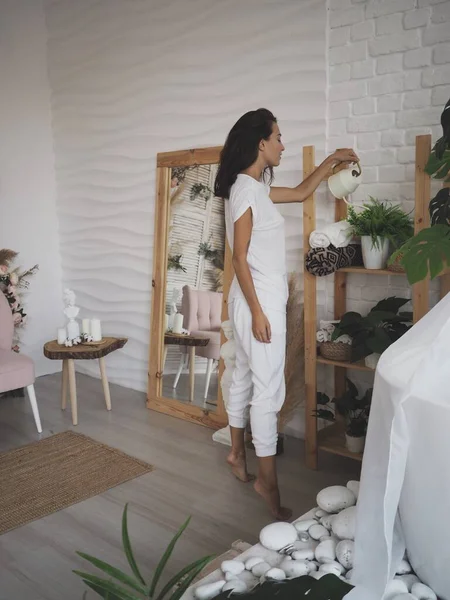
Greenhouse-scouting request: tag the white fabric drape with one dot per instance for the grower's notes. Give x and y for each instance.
(405, 481)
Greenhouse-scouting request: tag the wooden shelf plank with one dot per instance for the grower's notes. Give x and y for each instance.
(332, 440)
(362, 271)
(359, 366)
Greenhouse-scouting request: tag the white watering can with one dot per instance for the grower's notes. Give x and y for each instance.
(345, 182)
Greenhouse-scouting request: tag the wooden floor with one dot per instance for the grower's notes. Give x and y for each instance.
(190, 478)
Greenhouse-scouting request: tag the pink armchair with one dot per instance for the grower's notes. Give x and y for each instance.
(202, 312)
(16, 370)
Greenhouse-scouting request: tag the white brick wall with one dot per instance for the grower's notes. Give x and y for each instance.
(389, 78)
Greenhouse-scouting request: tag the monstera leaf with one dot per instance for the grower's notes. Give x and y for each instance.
(440, 208)
(427, 252)
(328, 587)
(439, 168)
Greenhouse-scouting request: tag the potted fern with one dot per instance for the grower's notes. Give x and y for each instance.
(355, 411)
(379, 225)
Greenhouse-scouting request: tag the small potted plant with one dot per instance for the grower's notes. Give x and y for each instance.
(379, 225)
(354, 410)
(372, 334)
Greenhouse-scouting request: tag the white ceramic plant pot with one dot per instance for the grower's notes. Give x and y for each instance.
(371, 361)
(374, 256)
(355, 444)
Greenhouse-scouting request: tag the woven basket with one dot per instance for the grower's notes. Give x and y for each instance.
(396, 267)
(336, 351)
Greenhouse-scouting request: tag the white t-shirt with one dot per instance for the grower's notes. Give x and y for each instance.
(267, 251)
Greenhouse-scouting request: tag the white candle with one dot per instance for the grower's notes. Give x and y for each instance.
(166, 322)
(178, 323)
(62, 334)
(96, 330)
(85, 326)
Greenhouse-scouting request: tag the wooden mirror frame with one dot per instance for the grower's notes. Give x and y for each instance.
(155, 401)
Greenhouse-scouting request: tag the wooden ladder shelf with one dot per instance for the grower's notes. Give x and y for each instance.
(331, 439)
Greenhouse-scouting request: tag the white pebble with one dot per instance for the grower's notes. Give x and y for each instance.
(233, 566)
(252, 562)
(406, 596)
(332, 567)
(278, 535)
(326, 551)
(335, 498)
(249, 579)
(349, 574)
(409, 580)
(312, 566)
(327, 521)
(316, 574)
(394, 588)
(307, 554)
(344, 524)
(295, 568)
(353, 486)
(275, 574)
(423, 592)
(320, 513)
(404, 568)
(229, 576)
(317, 531)
(302, 526)
(236, 586)
(344, 553)
(209, 590)
(261, 569)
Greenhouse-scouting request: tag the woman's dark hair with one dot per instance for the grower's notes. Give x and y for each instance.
(241, 149)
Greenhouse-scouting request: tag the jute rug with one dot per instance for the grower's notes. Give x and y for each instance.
(52, 474)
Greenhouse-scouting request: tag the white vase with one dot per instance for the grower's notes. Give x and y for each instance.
(374, 255)
(371, 361)
(355, 444)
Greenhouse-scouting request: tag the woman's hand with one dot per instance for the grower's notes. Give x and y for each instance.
(261, 328)
(344, 155)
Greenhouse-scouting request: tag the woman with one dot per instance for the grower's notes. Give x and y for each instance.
(259, 292)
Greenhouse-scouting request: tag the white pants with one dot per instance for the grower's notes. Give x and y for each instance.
(258, 377)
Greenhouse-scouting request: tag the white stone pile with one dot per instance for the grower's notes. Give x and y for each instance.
(317, 546)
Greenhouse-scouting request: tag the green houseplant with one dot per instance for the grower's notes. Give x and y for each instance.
(375, 332)
(355, 411)
(174, 263)
(200, 190)
(121, 586)
(379, 225)
(428, 252)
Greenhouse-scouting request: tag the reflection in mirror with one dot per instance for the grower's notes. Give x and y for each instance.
(196, 249)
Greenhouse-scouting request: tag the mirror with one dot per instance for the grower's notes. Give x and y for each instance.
(190, 285)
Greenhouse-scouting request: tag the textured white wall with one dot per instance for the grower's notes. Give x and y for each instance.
(130, 79)
(28, 222)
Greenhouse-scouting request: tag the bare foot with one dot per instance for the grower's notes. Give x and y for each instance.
(238, 466)
(272, 497)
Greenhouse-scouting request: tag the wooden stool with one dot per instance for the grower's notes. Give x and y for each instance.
(90, 351)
